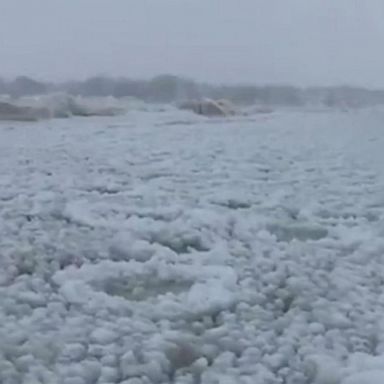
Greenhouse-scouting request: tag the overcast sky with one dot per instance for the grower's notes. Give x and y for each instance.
(303, 42)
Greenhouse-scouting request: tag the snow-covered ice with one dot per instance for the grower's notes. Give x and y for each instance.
(163, 247)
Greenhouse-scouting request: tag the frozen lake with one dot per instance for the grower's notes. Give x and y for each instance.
(161, 247)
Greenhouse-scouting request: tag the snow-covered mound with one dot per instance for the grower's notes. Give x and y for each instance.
(63, 105)
(10, 112)
(209, 107)
(144, 249)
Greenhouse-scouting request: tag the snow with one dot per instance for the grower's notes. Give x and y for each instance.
(162, 247)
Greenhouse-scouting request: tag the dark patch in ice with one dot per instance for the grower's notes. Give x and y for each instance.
(103, 190)
(181, 355)
(159, 216)
(326, 214)
(234, 204)
(337, 215)
(140, 290)
(29, 218)
(156, 175)
(372, 217)
(287, 233)
(177, 122)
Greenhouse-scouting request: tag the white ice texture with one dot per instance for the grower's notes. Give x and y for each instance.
(163, 247)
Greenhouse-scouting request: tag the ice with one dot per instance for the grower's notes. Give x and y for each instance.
(74, 352)
(62, 105)
(103, 336)
(210, 297)
(160, 247)
(370, 377)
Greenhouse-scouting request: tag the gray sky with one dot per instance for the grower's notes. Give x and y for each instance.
(260, 41)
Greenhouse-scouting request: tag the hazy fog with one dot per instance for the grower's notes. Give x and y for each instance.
(261, 41)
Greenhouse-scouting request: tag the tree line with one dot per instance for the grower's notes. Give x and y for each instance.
(170, 88)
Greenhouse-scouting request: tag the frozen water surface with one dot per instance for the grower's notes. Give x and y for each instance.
(160, 247)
